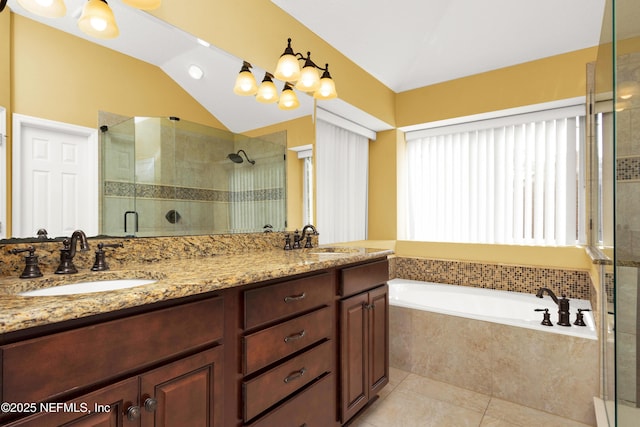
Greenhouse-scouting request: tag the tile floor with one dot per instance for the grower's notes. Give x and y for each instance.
(410, 400)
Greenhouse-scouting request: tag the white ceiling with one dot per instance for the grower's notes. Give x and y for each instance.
(404, 44)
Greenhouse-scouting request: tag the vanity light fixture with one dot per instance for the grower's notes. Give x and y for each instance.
(46, 8)
(97, 20)
(288, 70)
(245, 82)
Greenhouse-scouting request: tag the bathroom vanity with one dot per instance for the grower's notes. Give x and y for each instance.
(299, 339)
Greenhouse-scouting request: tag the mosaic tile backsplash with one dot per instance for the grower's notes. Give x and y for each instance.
(516, 278)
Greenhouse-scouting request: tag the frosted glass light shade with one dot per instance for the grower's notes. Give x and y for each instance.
(288, 99)
(46, 8)
(97, 20)
(327, 89)
(309, 79)
(267, 92)
(288, 69)
(143, 4)
(245, 84)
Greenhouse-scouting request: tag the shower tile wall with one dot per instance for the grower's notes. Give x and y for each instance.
(627, 244)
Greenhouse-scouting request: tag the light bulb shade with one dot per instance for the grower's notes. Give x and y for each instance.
(288, 99)
(267, 92)
(327, 89)
(245, 83)
(309, 79)
(288, 69)
(97, 20)
(143, 4)
(46, 8)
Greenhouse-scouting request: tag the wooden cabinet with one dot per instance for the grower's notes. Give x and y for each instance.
(186, 388)
(364, 337)
(187, 392)
(289, 353)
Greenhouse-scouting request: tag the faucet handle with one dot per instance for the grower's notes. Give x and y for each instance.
(31, 269)
(100, 263)
(546, 317)
(580, 317)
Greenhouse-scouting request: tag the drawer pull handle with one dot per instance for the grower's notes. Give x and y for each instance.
(291, 298)
(298, 374)
(295, 337)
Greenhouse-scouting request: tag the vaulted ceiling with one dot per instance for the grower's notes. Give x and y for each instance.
(405, 44)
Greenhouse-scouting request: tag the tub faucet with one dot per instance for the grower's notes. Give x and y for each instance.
(69, 251)
(562, 303)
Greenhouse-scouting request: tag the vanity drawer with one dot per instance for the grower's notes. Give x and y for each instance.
(274, 385)
(48, 366)
(269, 345)
(362, 277)
(314, 407)
(273, 302)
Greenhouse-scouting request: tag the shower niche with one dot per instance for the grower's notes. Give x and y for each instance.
(169, 177)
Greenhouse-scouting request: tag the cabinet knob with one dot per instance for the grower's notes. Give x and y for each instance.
(133, 413)
(150, 404)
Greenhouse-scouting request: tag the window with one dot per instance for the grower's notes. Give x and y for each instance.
(508, 180)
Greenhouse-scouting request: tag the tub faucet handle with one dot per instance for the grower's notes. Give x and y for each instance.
(580, 317)
(546, 317)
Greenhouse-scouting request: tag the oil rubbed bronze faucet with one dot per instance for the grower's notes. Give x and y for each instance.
(304, 235)
(69, 251)
(563, 305)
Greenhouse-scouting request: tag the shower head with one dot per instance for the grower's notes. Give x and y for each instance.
(237, 158)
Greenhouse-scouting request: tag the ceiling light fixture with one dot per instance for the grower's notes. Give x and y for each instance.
(97, 18)
(288, 70)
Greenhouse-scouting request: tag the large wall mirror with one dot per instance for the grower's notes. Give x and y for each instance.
(160, 176)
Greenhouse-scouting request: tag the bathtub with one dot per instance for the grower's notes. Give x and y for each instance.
(492, 342)
(504, 307)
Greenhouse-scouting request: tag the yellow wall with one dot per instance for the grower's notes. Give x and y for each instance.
(5, 59)
(544, 80)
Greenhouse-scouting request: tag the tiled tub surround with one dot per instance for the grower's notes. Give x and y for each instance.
(517, 278)
(551, 372)
(541, 370)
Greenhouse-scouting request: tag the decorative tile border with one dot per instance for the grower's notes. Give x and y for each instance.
(151, 191)
(572, 283)
(628, 168)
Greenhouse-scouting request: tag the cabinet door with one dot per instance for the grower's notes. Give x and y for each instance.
(378, 339)
(188, 392)
(107, 407)
(354, 343)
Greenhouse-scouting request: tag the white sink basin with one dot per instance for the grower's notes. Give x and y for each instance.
(87, 287)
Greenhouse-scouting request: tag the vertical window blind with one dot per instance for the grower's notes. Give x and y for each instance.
(511, 180)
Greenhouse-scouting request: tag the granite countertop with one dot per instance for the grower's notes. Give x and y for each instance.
(175, 279)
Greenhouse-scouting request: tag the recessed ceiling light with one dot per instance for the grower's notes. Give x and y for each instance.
(196, 72)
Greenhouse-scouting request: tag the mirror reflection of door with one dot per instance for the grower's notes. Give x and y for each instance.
(3, 172)
(55, 178)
